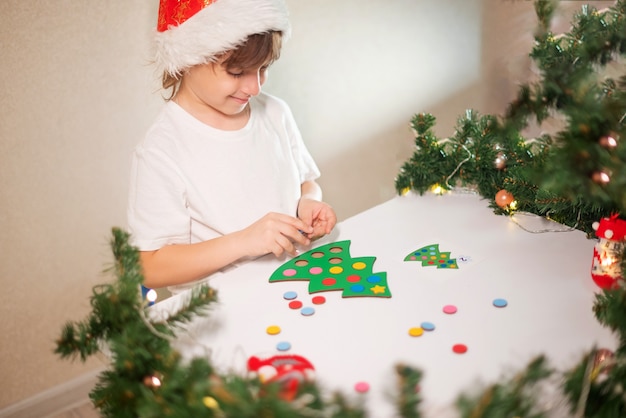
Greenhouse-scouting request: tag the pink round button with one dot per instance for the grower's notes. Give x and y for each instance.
(449, 309)
(362, 387)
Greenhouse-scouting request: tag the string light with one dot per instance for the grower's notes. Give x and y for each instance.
(437, 189)
(152, 295)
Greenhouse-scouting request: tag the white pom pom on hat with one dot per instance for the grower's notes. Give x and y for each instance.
(191, 32)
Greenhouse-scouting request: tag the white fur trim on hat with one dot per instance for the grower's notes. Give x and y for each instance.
(217, 28)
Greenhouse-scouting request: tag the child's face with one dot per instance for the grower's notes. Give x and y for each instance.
(225, 90)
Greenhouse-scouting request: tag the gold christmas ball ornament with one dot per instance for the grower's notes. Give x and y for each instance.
(210, 402)
(500, 161)
(504, 198)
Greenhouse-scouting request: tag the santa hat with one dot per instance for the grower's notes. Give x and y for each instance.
(191, 32)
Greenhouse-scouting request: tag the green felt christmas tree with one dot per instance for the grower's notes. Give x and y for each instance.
(331, 267)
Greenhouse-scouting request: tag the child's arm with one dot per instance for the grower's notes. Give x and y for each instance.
(319, 215)
(181, 263)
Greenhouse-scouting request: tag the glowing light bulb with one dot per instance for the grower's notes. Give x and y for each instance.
(156, 382)
(151, 296)
(607, 260)
(437, 189)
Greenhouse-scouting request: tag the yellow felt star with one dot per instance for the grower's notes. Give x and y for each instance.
(378, 289)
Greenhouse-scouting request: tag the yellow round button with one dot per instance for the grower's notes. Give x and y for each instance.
(335, 270)
(273, 329)
(416, 331)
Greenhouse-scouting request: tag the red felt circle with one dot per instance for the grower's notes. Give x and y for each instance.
(459, 348)
(295, 304)
(353, 278)
(318, 300)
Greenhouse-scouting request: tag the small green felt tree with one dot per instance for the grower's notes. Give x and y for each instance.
(430, 255)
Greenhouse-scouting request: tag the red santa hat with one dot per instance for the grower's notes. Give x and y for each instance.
(191, 32)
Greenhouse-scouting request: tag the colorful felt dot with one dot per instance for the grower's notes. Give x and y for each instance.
(357, 288)
(500, 303)
(283, 346)
(362, 387)
(374, 279)
(359, 265)
(459, 348)
(427, 326)
(307, 311)
(415, 331)
(449, 309)
(329, 281)
(318, 300)
(353, 278)
(273, 330)
(335, 269)
(290, 295)
(315, 270)
(289, 272)
(295, 304)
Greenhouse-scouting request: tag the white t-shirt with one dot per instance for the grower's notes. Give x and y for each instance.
(191, 182)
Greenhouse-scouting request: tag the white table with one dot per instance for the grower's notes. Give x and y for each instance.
(545, 277)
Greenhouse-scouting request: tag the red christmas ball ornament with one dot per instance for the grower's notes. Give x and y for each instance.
(152, 382)
(600, 177)
(608, 141)
(504, 198)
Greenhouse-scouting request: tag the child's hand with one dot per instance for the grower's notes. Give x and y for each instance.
(275, 233)
(319, 215)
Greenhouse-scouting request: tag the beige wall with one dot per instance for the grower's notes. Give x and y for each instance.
(78, 93)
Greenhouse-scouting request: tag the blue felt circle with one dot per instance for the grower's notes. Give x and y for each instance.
(374, 279)
(500, 303)
(283, 346)
(290, 295)
(427, 326)
(307, 311)
(357, 288)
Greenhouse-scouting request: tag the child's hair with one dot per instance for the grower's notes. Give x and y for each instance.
(258, 49)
